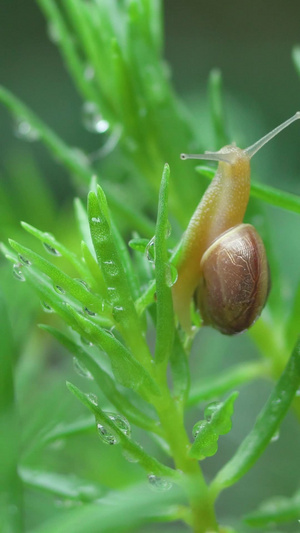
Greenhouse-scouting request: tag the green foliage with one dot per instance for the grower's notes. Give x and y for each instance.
(206, 432)
(116, 304)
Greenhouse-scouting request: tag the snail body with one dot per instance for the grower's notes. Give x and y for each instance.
(223, 263)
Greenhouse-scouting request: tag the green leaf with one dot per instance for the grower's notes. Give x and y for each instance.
(150, 464)
(180, 370)
(10, 430)
(276, 510)
(64, 430)
(54, 245)
(65, 284)
(148, 297)
(70, 487)
(217, 385)
(83, 223)
(105, 382)
(119, 295)
(93, 267)
(121, 511)
(127, 370)
(138, 244)
(265, 426)
(165, 324)
(218, 422)
(292, 327)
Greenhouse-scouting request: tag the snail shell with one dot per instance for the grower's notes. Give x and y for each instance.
(235, 280)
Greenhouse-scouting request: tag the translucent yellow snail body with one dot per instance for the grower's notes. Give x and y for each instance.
(224, 264)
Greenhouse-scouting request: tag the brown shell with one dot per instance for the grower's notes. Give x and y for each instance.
(235, 280)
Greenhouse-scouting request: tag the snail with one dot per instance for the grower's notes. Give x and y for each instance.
(223, 262)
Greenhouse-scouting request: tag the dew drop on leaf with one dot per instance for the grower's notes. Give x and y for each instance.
(159, 484)
(86, 342)
(150, 250)
(92, 398)
(171, 275)
(106, 436)
(118, 313)
(18, 272)
(276, 436)
(24, 260)
(51, 250)
(59, 289)
(211, 409)
(23, 130)
(198, 427)
(81, 369)
(92, 119)
(121, 422)
(89, 312)
(46, 307)
(84, 283)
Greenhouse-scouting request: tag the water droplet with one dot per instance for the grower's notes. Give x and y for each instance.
(121, 422)
(210, 409)
(23, 130)
(86, 341)
(198, 427)
(18, 272)
(84, 283)
(59, 289)
(24, 260)
(159, 484)
(275, 436)
(89, 73)
(118, 313)
(106, 436)
(89, 312)
(46, 307)
(92, 119)
(150, 250)
(171, 275)
(97, 220)
(51, 250)
(298, 393)
(53, 33)
(93, 398)
(81, 369)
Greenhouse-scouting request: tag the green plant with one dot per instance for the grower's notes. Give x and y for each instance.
(115, 300)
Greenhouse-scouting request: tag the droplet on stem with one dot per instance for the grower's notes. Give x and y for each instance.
(92, 119)
(159, 484)
(18, 272)
(81, 369)
(51, 250)
(24, 130)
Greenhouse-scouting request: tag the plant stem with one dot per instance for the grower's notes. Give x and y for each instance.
(203, 518)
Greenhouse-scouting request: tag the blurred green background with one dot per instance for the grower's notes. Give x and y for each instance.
(251, 42)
